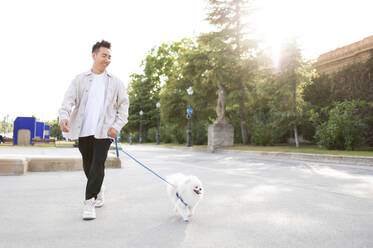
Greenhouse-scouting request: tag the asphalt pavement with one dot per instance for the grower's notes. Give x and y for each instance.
(250, 201)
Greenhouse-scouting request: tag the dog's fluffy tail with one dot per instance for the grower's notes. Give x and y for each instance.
(175, 180)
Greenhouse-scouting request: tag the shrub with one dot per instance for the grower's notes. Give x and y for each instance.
(265, 131)
(199, 133)
(344, 128)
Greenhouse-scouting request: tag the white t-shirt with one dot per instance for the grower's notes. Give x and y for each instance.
(94, 109)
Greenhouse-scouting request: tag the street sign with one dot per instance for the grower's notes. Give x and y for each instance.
(189, 110)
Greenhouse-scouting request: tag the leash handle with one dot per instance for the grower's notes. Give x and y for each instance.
(147, 168)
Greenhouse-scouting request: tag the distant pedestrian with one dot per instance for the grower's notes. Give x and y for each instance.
(1, 139)
(100, 104)
(130, 139)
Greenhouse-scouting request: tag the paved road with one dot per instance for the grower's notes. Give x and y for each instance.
(249, 202)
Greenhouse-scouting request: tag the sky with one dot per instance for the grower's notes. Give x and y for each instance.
(46, 43)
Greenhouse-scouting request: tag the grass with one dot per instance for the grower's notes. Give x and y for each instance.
(313, 149)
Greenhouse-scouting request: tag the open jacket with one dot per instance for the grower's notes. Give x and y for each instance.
(75, 100)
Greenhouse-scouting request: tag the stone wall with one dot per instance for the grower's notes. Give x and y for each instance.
(337, 59)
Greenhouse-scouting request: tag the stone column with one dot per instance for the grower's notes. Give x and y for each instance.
(220, 134)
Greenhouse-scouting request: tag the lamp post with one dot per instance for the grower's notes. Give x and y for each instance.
(141, 113)
(158, 117)
(189, 117)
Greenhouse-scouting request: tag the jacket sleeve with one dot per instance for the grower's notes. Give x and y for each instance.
(69, 100)
(121, 117)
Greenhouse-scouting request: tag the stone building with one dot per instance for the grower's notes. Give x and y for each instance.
(335, 60)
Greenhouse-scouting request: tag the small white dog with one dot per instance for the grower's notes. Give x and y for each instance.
(185, 195)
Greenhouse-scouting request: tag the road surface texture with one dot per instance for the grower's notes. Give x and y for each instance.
(249, 202)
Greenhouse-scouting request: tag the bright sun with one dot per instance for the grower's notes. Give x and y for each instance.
(275, 23)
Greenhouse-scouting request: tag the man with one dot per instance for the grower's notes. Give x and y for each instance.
(100, 111)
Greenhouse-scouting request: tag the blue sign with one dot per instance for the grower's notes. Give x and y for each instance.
(39, 132)
(189, 110)
(24, 123)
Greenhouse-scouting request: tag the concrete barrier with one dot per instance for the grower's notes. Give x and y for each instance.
(43, 164)
(13, 166)
(21, 165)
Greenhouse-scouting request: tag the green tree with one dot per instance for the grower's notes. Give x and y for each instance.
(144, 89)
(55, 130)
(294, 73)
(6, 125)
(352, 82)
(226, 16)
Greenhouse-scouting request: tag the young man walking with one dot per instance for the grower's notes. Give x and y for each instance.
(100, 111)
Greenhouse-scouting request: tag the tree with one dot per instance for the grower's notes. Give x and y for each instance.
(6, 125)
(293, 73)
(144, 89)
(226, 16)
(55, 130)
(352, 82)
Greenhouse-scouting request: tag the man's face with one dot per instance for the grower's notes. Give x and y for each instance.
(102, 58)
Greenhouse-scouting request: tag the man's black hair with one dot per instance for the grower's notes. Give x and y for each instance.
(102, 43)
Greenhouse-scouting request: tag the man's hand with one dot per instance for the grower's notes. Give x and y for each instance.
(113, 133)
(65, 126)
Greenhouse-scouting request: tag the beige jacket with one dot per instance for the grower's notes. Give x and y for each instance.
(75, 100)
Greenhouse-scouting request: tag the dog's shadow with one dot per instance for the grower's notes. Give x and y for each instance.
(168, 234)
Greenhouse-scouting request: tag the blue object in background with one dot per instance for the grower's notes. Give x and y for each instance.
(39, 133)
(27, 123)
(47, 131)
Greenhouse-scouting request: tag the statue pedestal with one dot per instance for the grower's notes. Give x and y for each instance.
(220, 134)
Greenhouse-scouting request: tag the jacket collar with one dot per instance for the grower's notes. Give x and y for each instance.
(89, 72)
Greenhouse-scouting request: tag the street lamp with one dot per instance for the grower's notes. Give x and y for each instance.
(158, 117)
(141, 113)
(189, 117)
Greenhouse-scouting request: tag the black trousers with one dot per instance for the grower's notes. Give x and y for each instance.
(94, 153)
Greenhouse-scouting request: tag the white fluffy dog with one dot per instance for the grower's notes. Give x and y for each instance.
(185, 195)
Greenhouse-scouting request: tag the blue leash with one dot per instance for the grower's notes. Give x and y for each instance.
(147, 168)
(177, 194)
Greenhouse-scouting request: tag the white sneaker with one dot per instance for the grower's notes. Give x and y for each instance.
(100, 198)
(89, 212)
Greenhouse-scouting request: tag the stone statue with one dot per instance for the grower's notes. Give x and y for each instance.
(220, 107)
(220, 133)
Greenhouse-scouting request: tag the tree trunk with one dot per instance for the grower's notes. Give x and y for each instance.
(296, 136)
(243, 124)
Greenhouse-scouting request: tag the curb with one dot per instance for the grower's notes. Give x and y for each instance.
(22, 165)
(324, 158)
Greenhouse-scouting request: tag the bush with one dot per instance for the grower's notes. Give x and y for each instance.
(172, 134)
(165, 134)
(265, 131)
(199, 133)
(344, 129)
(151, 134)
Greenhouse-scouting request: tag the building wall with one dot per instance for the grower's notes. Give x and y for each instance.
(339, 58)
